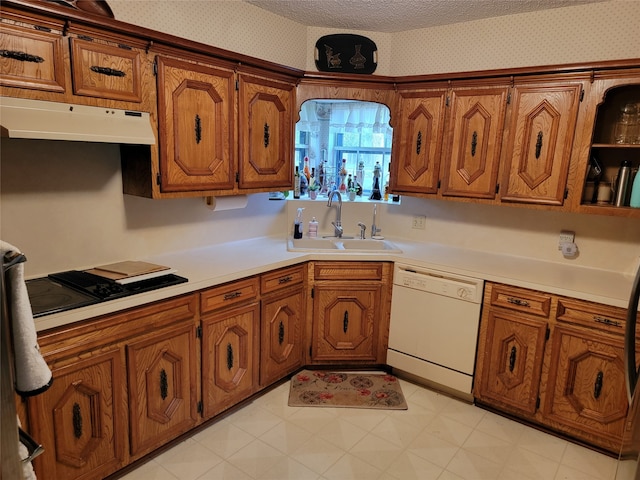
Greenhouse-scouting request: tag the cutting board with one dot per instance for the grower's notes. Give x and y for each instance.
(130, 270)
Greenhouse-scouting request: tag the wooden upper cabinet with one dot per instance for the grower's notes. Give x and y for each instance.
(31, 57)
(417, 141)
(474, 138)
(195, 113)
(265, 132)
(106, 71)
(538, 149)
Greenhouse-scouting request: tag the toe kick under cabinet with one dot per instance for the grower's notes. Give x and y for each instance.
(553, 361)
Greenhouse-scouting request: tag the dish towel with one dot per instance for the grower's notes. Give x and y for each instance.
(32, 374)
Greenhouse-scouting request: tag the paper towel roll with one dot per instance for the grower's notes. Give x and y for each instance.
(226, 203)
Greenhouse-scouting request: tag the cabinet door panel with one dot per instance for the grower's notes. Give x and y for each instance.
(472, 152)
(229, 357)
(586, 386)
(195, 105)
(345, 321)
(418, 141)
(282, 334)
(543, 122)
(265, 133)
(511, 351)
(80, 420)
(162, 387)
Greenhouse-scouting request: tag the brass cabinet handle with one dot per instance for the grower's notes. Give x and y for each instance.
(110, 72)
(518, 301)
(512, 359)
(597, 386)
(21, 56)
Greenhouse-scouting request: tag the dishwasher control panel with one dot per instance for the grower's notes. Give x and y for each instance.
(441, 283)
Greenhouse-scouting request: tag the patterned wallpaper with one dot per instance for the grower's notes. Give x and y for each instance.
(583, 33)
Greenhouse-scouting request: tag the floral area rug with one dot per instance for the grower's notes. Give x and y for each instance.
(314, 388)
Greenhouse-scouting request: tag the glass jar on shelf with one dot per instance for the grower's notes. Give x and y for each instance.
(626, 128)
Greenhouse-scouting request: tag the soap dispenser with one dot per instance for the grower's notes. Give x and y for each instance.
(297, 224)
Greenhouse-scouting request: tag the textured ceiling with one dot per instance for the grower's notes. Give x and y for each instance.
(400, 15)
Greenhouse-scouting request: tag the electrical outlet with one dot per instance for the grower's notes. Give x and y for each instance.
(419, 222)
(566, 236)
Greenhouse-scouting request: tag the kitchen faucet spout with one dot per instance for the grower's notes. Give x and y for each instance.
(337, 225)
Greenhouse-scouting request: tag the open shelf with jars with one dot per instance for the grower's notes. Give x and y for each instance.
(614, 157)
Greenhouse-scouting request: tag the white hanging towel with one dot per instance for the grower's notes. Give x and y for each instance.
(32, 374)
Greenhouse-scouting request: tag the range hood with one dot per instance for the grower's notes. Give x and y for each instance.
(22, 118)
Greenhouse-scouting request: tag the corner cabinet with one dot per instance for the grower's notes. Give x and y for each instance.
(554, 361)
(351, 307)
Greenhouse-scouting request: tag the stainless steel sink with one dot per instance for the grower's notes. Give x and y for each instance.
(341, 245)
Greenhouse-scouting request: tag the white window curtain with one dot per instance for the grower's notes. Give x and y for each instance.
(308, 119)
(359, 117)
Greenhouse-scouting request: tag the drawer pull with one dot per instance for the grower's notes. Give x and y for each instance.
(345, 322)
(418, 143)
(512, 359)
(597, 386)
(266, 135)
(607, 321)
(518, 301)
(286, 279)
(229, 356)
(280, 333)
(21, 56)
(232, 295)
(109, 72)
(77, 421)
(164, 384)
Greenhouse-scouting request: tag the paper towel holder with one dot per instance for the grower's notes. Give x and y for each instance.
(225, 203)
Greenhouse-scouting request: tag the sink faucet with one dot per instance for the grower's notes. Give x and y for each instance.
(337, 225)
(363, 229)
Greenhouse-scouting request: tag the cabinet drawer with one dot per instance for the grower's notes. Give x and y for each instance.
(347, 271)
(285, 277)
(229, 294)
(106, 71)
(31, 58)
(592, 315)
(522, 300)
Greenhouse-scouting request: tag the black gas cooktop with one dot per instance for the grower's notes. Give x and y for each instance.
(73, 289)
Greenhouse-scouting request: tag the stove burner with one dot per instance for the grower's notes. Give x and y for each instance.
(73, 289)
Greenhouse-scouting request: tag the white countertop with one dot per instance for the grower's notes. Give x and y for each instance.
(217, 264)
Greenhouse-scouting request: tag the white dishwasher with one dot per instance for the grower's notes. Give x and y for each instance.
(434, 327)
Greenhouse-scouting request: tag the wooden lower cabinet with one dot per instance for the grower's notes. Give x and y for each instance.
(282, 334)
(510, 360)
(586, 392)
(351, 304)
(554, 361)
(80, 419)
(162, 387)
(229, 357)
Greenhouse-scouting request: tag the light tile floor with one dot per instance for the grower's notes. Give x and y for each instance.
(436, 438)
